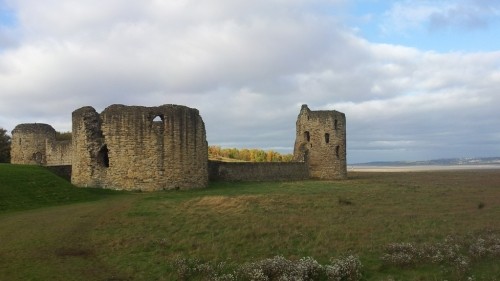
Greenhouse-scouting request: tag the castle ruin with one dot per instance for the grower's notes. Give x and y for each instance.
(36, 144)
(320, 142)
(152, 148)
(165, 147)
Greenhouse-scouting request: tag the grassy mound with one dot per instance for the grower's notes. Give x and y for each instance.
(27, 187)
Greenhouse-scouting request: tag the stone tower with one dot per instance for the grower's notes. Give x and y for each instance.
(28, 144)
(321, 142)
(139, 148)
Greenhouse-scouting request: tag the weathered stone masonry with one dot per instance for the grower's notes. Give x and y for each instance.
(319, 153)
(133, 147)
(36, 144)
(165, 147)
(321, 142)
(264, 171)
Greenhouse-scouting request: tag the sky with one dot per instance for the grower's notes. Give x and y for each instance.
(417, 80)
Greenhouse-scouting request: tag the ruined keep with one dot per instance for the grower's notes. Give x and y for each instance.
(320, 142)
(36, 144)
(134, 147)
(165, 147)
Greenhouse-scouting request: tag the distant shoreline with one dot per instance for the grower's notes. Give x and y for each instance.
(418, 168)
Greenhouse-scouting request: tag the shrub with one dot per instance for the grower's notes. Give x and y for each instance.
(485, 246)
(348, 268)
(277, 268)
(448, 252)
(452, 252)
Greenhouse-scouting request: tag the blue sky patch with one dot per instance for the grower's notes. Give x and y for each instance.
(7, 15)
(442, 26)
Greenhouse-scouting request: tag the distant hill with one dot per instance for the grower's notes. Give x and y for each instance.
(440, 162)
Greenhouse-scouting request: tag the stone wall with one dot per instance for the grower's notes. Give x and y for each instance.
(36, 144)
(321, 143)
(87, 140)
(262, 171)
(134, 147)
(29, 143)
(165, 147)
(58, 153)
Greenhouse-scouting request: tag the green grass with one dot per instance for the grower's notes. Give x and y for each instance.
(27, 187)
(136, 236)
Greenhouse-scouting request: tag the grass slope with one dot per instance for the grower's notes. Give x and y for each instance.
(26, 187)
(137, 237)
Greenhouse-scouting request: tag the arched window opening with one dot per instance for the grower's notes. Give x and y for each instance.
(307, 136)
(327, 138)
(335, 124)
(337, 148)
(103, 157)
(158, 119)
(38, 157)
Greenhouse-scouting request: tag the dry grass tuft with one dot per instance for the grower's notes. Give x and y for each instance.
(223, 203)
(73, 252)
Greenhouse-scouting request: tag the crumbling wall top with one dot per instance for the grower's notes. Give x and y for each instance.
(83, 110)
(319, 113)
(120, 108)
(34, 128)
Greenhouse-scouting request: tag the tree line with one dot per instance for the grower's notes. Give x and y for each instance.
(4, 146)
(250, 155)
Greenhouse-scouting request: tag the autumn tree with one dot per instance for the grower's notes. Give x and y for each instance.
(249, 155)
(4, 146)
(63, 136)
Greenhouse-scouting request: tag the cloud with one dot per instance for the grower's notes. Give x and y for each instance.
(447, 101)
(248, 66)
(407, 16)
(97, 53)
(472, 14)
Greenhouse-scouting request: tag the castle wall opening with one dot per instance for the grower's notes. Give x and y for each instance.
(158, 119)
(38, 157)
(103, 157)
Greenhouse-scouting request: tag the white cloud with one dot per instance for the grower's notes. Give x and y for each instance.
(247, 66)
(471, 14)
(407, 16)
(449, 99)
